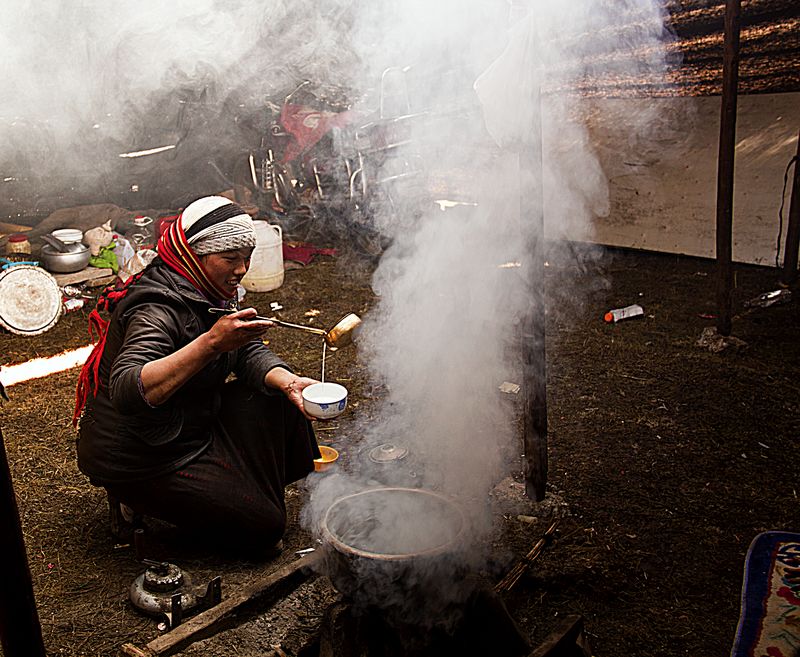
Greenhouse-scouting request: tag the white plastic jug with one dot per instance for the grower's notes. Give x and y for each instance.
(266, 264)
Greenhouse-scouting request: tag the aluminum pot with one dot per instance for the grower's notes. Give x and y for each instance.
(394, 548)
(75, 259)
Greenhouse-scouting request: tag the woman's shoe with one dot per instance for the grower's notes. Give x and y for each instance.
(274, 551)
(123, 520)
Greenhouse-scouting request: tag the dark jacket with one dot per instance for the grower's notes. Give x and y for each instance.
(122, 437)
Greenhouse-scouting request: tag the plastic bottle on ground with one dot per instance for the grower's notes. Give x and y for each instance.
(627, 312)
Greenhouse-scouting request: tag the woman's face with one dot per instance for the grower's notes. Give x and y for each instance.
(226, 269)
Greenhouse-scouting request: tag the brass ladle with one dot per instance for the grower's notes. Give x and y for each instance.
(340, 335)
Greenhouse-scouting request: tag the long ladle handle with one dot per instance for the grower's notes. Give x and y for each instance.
(279, 322)
(57, 244)
(310, 329)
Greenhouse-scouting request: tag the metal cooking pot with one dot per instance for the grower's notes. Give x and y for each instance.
(394, 548)
(75, 259)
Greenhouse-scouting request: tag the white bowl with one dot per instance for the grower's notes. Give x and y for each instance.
(324, 400)
(68, 235)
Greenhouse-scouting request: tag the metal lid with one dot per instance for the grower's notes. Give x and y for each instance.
(163, 577)
(387, 453)
(71, 247)
(30, 300)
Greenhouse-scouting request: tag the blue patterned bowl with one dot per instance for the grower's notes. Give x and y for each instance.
(325, 400)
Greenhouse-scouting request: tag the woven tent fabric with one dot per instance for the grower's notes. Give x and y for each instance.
(769, 622)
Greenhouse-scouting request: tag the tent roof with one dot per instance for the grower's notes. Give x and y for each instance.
(769, 52)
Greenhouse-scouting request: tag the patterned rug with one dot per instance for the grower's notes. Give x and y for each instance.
(769, 623)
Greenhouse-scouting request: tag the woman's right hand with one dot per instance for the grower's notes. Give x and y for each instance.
(236, 330)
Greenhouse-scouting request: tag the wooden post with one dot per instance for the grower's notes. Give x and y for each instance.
(533, 326)
(793, 227)
(727, 148)
(20, 630)
(567, 640)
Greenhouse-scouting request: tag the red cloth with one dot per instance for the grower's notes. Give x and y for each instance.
(162, 223)
(308, 125)
(303, 252)
(98, 328)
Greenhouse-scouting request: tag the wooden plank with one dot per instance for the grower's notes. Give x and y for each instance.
(562, 642)
(89, 275)
(289, 576)
(135, 651)
(9, 229)
(102, 281)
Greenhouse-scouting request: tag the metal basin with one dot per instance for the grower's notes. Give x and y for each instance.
(65, 263)
(393, 547)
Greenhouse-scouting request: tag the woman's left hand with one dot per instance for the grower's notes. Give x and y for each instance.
(294, 391)
(291, 385)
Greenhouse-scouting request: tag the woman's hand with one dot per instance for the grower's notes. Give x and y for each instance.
(291, 385)
(294, 391)
(236, 330)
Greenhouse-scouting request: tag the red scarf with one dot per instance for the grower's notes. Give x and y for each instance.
(174, 250)
(98, 328)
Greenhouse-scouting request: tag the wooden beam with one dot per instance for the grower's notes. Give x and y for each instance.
(793, 227)
(285, 579)
(534, 356)
(20, 629)
(7, 229)
(727, 149)
(564, 641)
(511, 578)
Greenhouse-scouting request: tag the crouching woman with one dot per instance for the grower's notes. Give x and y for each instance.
(164, 428)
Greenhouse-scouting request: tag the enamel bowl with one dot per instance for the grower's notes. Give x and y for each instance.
(68, 235)
(327, 459)
(324, 400)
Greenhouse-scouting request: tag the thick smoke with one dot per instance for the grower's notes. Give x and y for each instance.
(86, 81)
(483, 84)
(493, 83)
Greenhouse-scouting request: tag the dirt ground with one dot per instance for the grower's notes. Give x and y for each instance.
(665, 460)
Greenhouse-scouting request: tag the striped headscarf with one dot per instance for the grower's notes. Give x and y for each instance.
(209, 225)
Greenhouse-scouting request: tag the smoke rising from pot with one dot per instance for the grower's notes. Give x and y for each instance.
(89, 78)
(488, 81)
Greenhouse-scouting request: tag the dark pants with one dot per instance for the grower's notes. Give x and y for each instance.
(235, 489)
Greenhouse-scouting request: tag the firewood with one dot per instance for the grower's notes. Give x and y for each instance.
(290, 575)
(506, 584)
